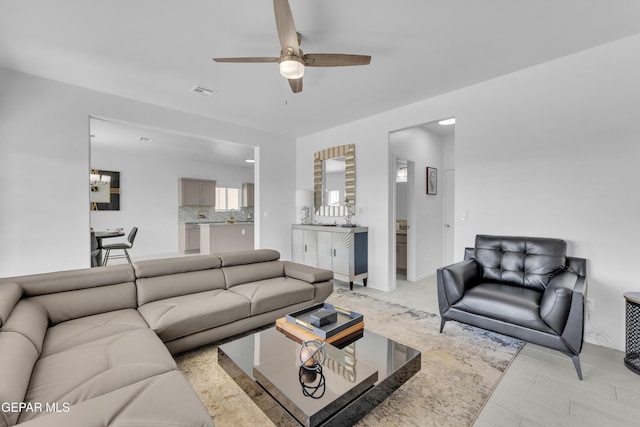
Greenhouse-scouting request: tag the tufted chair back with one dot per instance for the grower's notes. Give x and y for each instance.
(520, 261)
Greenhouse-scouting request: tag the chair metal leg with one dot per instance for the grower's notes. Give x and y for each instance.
(106, 257)
(127, 254)
(576, 364)
(442, 322)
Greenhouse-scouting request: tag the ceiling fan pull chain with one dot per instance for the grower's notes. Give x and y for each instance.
(286, 98)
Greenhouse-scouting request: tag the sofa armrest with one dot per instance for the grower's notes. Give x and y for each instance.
(454, 280)
(556, 300)
(573, 333)
(306, 272)
(10, 294)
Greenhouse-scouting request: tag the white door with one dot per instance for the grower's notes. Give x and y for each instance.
(297, 246)
(449, 216)
(325, 250)
(311, 248)
(342, 250)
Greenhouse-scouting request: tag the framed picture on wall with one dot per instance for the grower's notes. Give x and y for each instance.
(105, 190)
(432, 180)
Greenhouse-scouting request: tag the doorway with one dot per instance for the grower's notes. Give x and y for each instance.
(404, 217)
(449, 216)
(428, 211)
(149, 163)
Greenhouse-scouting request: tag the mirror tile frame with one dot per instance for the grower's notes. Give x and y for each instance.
(349, 153)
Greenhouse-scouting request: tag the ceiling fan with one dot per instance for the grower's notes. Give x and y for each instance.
(292, 60)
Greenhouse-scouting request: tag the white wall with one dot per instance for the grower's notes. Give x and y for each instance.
(44, 164)
(448, 154)
(402, 200)
(547, 151)
(149, 189)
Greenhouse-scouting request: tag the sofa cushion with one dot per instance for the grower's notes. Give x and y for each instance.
(174, 285)
(83, 330)
(229, 259)
(21, 340)
(507, 303)
(61, 281)
(177, 317)
(96, 368)
(18, 356)
(240, 274)
(162, 400)
(306, 272)
(10, 294)
(64, 306)
(272, 294)
(167, 266)
(29, 320)
(522, 261)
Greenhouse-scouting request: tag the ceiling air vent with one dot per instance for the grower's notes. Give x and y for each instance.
(202, 91)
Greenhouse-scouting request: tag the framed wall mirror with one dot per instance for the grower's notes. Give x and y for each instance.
(334, 176)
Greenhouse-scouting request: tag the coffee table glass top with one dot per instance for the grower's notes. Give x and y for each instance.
(270, 359)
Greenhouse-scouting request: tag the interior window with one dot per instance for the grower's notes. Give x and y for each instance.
(227, 199)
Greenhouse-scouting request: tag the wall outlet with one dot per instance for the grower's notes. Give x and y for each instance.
(591, 305)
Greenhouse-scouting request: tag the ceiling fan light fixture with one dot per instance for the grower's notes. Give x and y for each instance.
(291, 67)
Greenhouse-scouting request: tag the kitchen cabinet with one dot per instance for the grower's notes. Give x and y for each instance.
(343, 250)
(234, 237)
(196, 192)
(247, 195)
(401, 252)
(189, 238)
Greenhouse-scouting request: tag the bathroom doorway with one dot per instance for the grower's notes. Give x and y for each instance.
(404, 211)
(420, 205)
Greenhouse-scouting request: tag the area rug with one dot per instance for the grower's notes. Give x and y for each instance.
(460, 369)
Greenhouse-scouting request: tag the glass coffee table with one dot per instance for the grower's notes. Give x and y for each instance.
(354, 378)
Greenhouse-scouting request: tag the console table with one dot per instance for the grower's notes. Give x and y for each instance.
(343, 250)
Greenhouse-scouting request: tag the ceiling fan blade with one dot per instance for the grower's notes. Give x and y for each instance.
(335, 60)
(286, 27)
(248, 59)
(296, 85)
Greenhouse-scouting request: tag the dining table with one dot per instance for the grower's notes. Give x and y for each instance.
(105, 234)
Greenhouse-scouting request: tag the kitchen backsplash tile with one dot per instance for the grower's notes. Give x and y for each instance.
(200, 214)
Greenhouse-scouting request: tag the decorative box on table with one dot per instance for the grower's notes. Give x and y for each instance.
(298, 325)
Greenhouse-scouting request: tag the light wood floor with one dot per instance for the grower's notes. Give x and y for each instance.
(540, 387)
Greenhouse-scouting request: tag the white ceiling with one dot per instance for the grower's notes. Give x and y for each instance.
(156, 50)
(126, 138)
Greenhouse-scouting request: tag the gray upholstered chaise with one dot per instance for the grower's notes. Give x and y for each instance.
(89, 347)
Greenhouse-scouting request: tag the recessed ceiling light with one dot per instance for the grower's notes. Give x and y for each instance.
(249, 160)
(202, 91)
(447, 122)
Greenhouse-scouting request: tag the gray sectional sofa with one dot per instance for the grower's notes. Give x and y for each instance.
(93, 347)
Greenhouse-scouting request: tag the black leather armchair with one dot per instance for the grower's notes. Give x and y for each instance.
(524, 287)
